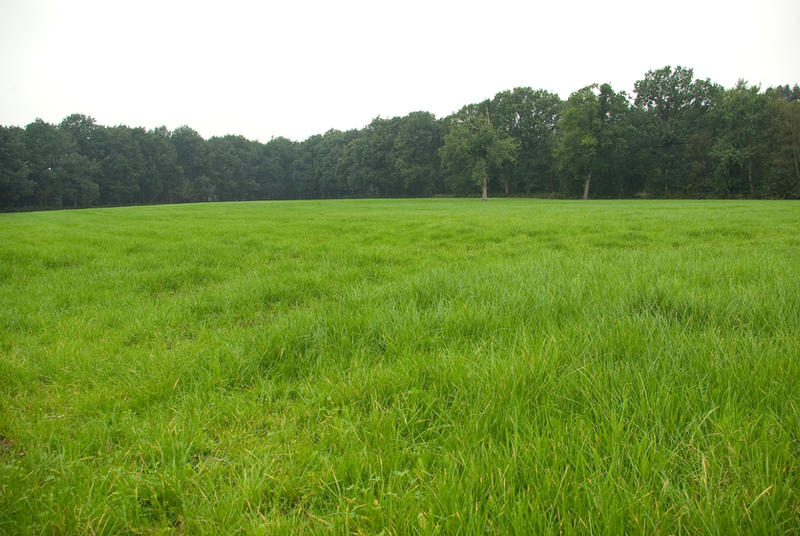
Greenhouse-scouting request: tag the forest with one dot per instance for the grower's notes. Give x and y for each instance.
(675, 137)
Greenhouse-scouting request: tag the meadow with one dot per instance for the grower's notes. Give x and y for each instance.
(438, 366)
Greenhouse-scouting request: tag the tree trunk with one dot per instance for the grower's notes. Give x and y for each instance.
(750, 177)
(485, 194)
(508, 187)
(586, 186)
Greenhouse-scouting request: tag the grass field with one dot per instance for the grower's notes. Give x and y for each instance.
(402, 367)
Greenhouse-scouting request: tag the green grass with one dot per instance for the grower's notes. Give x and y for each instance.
(402, 367)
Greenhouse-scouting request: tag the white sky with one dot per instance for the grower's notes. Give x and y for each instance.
(299, 67)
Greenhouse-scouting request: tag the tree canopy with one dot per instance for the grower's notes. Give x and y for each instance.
(677, 136)
(474, 148)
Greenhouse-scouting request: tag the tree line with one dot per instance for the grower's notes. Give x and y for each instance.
(677, 136)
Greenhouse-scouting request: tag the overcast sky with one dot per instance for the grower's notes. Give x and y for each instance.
(296, 68)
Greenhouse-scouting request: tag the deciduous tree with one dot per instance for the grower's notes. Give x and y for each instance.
(531, 117)
(676, 104)
(473, 148)
(741, 119)
(15, 186)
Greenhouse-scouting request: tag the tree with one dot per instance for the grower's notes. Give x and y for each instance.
(231, 166)
(783, 179)
(618, 147)
(122, 164)
(162, 176)
(304, 168)
(81, 129)
(350, 166)
(274, 169)
(681, 136)
(594, 135)
(46, 147)
(531, 117)
(740, 117)
(191, 152)
(78, 175)
(374, 153)
(414, 155)
(331, 183)
(14, 183)
(789, 94)
(579, 132)
(474, 148)
(676, 106)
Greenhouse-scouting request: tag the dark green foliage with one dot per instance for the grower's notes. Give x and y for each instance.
(677, 137)
(531, 117)
(274, 171)
(82, 129)
(741, 118)
(15, 186)
(785, 92)
(162, 174)
(783, 156)
(414, 155)
(677, 109)
(474, 149)
(122, 165)
(231, 160)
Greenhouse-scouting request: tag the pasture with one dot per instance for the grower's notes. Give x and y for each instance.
(436, 366)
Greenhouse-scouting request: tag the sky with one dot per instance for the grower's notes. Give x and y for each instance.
(298, 67)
